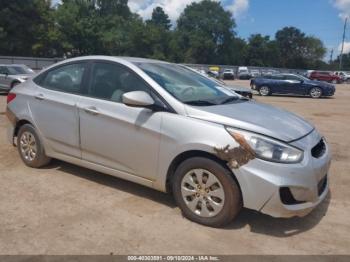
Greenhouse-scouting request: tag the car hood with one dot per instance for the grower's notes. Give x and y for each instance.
(256, 117)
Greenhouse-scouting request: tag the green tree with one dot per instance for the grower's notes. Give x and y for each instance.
(94, 26)
(160, 18)
(24, 27)
(204, 32)
(114, 7)
(298, 50)
(261, 51)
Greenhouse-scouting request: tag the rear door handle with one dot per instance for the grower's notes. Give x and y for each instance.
(39, 97)
(91, 110)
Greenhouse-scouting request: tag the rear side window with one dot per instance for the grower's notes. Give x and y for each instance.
(110, 81)
(277, 77)
(292, 77)
(66, 78)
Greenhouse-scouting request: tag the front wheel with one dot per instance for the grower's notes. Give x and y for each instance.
(30, 148)
(206, 192)
(334, 81)
(264, 91)
(315, 92)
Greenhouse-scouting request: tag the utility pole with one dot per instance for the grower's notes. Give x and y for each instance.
(342, 46)
(331, 60)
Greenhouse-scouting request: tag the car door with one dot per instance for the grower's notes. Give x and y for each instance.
(323, 76)
(54, 107)
(5, 80)
(112, 134)
(278, 84)
(294, 85)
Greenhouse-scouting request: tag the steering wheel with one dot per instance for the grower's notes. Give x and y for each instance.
(187, 89)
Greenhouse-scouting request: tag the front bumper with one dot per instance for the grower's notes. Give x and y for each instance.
(263, 182)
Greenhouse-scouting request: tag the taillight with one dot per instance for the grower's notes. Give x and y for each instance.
(10, 97)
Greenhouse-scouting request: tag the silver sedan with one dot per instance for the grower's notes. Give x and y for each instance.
(11, 75)
(169, 128)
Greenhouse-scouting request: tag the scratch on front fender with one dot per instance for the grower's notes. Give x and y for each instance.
(237, 156)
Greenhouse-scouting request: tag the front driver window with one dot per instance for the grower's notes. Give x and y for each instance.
(110, 81)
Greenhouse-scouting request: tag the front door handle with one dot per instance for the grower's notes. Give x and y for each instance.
(91, 110)
(40, 97)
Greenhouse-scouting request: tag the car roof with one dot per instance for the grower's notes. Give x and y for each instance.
(118, 59)
(12, 65)
(125, 58)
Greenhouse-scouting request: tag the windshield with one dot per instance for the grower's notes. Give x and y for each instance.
(188, 86)
(19, 70)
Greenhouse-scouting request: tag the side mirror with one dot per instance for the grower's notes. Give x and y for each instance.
(138, 99)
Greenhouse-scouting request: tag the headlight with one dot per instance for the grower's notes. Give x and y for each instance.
(266, 148)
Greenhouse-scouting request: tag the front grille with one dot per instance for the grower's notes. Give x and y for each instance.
(322, 185)
(319, 149)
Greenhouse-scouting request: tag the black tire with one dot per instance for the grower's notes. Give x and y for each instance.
(233, 200)
(264, 91)
(315, 92)
(40, 158)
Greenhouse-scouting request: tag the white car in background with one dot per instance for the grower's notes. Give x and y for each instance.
(345, 76)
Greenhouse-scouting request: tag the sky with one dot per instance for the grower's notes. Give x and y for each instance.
(320, 18)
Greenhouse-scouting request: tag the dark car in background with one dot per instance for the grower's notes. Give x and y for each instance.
(325, 76)
(291, 84)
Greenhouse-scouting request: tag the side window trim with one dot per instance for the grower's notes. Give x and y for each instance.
(152, 92)
(40, 78)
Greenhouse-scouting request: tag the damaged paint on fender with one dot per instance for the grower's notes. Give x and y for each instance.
(237, 156)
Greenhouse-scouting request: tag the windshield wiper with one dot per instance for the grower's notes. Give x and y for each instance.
(200, 103)
(229, 99)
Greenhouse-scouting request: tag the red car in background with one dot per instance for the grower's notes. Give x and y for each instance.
(325, 76)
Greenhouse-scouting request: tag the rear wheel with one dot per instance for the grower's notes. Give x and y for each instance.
(30, 148)
(334, 81)
(315, 92)
(206, 192)
(264, 91)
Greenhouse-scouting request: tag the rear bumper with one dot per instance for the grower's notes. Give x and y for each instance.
(12, 121)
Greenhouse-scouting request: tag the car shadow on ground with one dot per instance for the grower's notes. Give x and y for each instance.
(258, 222)
(113, 182)
(297, 96)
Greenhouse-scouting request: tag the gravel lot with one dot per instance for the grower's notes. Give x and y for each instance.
(64, 209)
